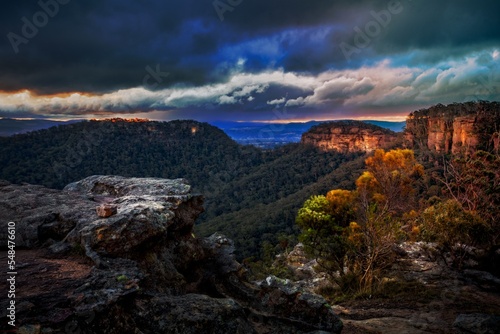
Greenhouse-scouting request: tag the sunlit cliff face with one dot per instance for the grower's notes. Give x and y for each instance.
(348, 137)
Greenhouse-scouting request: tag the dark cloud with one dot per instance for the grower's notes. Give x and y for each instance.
(452, 23)
(180, 51)
(98, 46)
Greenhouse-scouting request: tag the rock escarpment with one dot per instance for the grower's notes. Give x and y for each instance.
(455, 128)
(349, 136)
(138, 268)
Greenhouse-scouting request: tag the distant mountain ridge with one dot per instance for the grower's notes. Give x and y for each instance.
(264, 135)
(59, 155)
(10, 126)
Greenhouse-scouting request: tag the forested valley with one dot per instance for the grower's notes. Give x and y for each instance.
(251, 195)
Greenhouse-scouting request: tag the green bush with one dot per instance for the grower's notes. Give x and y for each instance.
(454, 228)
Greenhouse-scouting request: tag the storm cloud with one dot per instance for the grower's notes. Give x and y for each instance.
(246, 58)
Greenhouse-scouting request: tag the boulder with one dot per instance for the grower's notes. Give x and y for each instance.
(137, 265)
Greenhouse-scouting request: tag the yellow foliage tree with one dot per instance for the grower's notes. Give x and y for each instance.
(390, 179)
(354, 231)
(385, 192)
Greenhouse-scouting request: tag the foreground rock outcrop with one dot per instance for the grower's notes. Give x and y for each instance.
(349, 136)
(118, 255)
(421, 294)
(455, 128)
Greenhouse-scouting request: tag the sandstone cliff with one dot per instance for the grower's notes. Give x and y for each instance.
(455, 128)
(118, 255)
(349, 136)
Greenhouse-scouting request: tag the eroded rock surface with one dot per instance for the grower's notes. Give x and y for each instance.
(349, 136)
(141, 269)
(428, 296)
(477, 323)
(455, 128)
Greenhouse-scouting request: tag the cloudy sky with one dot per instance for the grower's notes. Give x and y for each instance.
(271, 60)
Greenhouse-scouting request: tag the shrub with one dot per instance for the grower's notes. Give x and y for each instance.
(454, 228)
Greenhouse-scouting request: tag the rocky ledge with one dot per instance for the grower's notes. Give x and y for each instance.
(118, 255)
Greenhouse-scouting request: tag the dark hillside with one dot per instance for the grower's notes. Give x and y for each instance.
(199, 152)
(251, 194)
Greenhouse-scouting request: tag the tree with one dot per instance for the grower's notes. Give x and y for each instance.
(384, 193)
(390, 181)
(323, 220)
